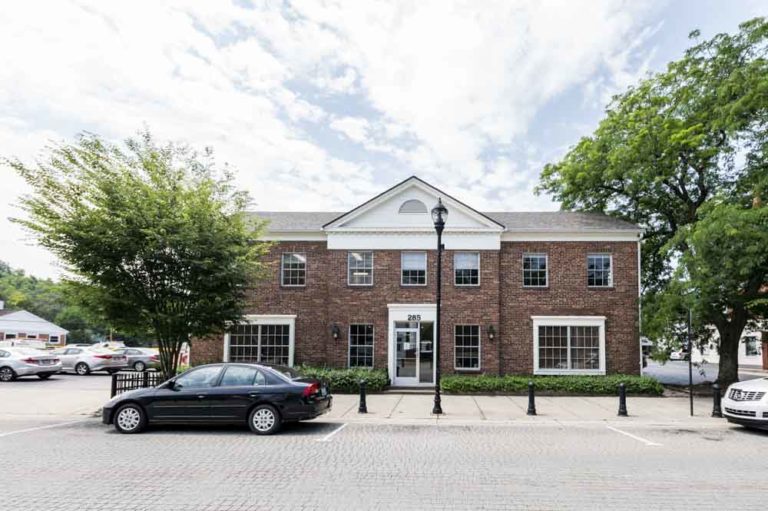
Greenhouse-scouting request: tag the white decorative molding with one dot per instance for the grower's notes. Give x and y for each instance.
(607, 235)
(423, 240)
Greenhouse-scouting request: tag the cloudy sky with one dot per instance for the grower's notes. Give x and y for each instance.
(322, 105)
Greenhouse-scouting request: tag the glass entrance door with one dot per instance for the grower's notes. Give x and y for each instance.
(406, 356)
(414, 353)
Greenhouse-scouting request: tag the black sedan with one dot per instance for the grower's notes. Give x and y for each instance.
(261, 396)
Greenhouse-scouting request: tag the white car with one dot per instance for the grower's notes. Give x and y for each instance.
(84, 361)
(678, 355)
(15, 362)
(746, 403)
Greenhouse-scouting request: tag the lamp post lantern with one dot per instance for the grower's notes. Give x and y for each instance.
(439, 214)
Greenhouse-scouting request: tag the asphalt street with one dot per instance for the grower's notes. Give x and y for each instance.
(675, 372)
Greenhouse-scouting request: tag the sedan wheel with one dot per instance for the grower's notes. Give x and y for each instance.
(264, 420)
(82, 369)
(139, 366)
(130, 419)
(7, 374)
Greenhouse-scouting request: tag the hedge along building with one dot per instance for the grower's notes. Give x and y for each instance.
(542, 293)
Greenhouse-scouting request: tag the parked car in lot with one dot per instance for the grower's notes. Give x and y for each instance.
(84, 360)
(140, 359)
(15, 362)
(252, 394)
(746, 403)
(678, 355)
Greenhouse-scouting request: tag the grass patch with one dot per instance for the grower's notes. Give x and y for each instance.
(347, 381)
(562, 385)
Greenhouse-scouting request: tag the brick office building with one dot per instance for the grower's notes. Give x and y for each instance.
(542, 293)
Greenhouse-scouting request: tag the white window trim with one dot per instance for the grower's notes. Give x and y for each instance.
(478, 267)
(349, 346)
(426, 268)
(269, 319)
(610, 272)
(479, 350)
(372, 268)
(546, 272)
(569, 321)
(282, 273)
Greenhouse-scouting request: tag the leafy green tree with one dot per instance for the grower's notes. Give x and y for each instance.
(155, 237)
(667, 148)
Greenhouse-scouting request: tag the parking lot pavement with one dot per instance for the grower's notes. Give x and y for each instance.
(62, 395)
(358, 465)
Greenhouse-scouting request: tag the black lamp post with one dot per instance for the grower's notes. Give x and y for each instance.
(439, 214)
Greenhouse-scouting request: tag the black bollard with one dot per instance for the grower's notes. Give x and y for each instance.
(622, 400)
(531, 400)
(363, 405)
(716, 409)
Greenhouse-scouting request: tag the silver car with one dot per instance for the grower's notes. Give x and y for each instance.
(140, 359)
(84, 361)
(15, 362)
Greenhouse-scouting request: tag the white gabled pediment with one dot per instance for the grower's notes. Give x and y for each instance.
(406, 207)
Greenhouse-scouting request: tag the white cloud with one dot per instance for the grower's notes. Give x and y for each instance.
(427, 87)
(355, 128)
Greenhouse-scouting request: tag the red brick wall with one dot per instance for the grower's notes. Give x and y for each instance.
(568, 294)
(500, 300)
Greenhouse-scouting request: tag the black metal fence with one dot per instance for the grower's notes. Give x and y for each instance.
(125, 381)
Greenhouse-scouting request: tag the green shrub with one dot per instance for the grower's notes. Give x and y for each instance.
(576, 384)
(343, 381)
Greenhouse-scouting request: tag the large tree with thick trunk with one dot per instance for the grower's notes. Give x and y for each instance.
(683, 154)
(154, 237)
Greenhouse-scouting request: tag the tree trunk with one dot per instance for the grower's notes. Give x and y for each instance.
(730, 337)
(169, 355)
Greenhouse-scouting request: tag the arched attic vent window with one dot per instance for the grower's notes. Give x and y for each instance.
(412, 206)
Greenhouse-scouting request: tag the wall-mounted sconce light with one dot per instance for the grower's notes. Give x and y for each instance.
(335, 332)
(491, 333)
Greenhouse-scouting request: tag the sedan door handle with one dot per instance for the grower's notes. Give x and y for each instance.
(253, 394)
(201, 396)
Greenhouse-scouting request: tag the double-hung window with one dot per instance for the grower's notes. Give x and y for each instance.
(293, 270)
(466, 268)
(467, 347)
(599, 270)
(360, 268)
(535, 270)
(360, 345)
(413, 269)
(569, 345)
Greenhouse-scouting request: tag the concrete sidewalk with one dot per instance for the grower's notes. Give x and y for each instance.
(396, 408)
(74, 397)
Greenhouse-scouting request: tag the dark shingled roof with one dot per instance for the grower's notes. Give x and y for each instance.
(513, 221)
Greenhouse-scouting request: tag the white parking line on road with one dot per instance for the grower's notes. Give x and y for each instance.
(327, 438)
(630, 435)
(29, 430)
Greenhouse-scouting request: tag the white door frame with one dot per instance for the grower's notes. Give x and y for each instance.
(409, 312)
